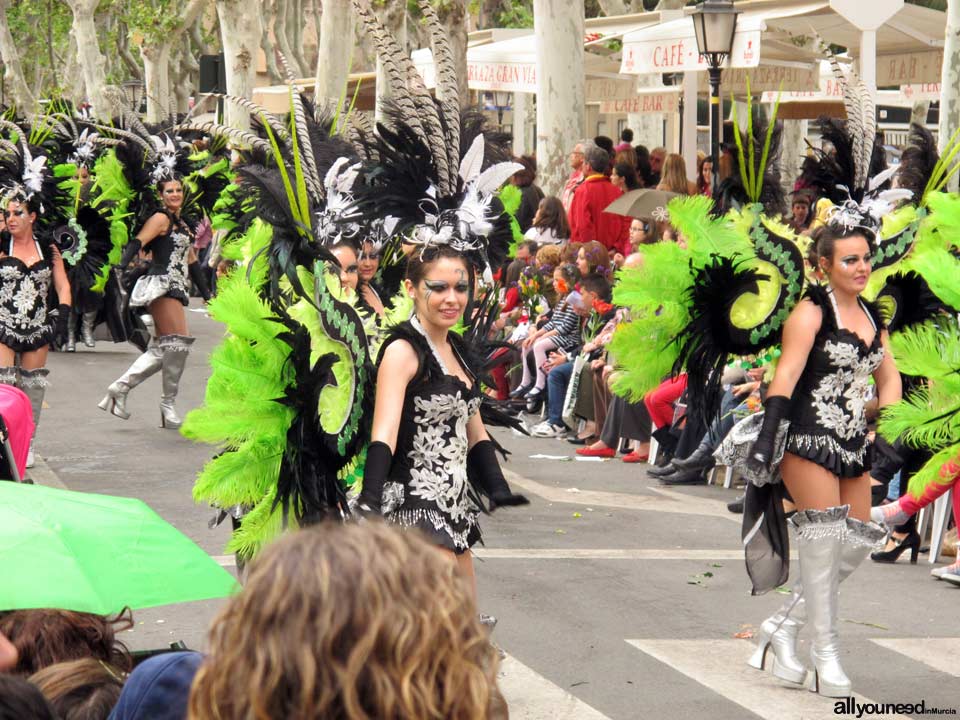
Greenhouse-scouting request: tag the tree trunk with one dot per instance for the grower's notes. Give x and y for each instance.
(297, 20)
(156, 79)
(241, 31)
(91, 60)
(123, 50)
(394, 19)
(614, 7)
(794, 149)
(280, 24)
(950, 81)
(267, 18)
(454, 18)
(76, 90)
(558, 31)
(17, 91)
(336, 52)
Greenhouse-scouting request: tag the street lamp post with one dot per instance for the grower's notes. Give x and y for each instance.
(714, 23)
(501, 99)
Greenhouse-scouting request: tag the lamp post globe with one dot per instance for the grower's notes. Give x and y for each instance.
(714, 25)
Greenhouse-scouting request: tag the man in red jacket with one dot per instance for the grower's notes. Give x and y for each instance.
(587, 218)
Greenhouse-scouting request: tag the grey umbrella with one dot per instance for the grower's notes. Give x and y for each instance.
(644, 203)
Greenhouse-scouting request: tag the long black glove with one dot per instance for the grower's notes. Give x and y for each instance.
(887, 458)
(199, 279)
(130, 253)
(775, 409)
(375, 471)
(60, 316)
(483, 471)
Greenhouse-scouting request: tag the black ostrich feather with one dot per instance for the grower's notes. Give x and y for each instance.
(709, 339)
(907, 301)
(918, 161)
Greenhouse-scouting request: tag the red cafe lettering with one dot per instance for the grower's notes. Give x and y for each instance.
(668, 56)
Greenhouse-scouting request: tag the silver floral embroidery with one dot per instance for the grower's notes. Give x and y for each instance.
(840, 398)
(23, 306)
(151, 287)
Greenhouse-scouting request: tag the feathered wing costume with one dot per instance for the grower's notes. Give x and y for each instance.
(922, 302)
(289, 401)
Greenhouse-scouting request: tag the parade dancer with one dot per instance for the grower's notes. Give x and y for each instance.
(164, 292)
(31, 316)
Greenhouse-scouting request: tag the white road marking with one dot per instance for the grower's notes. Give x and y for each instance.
(939, 653)
(43, 474)
(721, 665)
(530, 696)
(665, 500)
(225, 560)
(607, 554)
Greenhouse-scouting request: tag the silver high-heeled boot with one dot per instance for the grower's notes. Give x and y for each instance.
(779, 631)
(115, 401)
(820, 535)
(34, 385)
(86, 331)
(175, 349)
(71, 345)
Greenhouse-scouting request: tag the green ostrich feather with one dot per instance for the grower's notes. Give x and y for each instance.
(945, 211)
(241, 414)
(510, 195)
(662, 276)
(940, 268)
(112, 195)
(644, 350)
(705, 234)
(931, 350)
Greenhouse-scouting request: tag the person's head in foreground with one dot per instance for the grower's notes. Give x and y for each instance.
(349, 621)
(84, 689)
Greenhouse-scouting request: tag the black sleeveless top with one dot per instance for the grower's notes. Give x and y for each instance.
(25, 301)
(828, 422)
(167, 276)
(427, 486)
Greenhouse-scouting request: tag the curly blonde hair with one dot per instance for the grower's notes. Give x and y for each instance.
(349, 622)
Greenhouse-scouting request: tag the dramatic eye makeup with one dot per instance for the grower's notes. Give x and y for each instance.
(849, 260)
(352, 269)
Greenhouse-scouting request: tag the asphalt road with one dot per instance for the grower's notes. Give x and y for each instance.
(616, 598)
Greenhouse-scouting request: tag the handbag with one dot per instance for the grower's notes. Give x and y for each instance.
(736, 446)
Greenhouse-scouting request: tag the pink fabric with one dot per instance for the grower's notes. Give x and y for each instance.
(948, 472)
(18, 416)
(660, 402)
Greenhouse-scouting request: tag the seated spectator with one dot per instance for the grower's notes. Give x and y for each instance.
(45, 637)
(349, 621)
(624, 177)
(530, 193)
(588, 217)
(549, 224)
(606, 144)
(626, 140)
(657, 156)
(20, 700)
(592, 259)
(560, 332)
(158, 688)
(643, 167)
(674, 177)
(706, 180)
(84, 689)
(799, 220)
(626, 156)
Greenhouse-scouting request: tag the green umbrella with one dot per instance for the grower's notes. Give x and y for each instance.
(96, 553)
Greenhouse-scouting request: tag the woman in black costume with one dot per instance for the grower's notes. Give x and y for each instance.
(428, 439)
(833, 342)
(28, 320)
(164, 291)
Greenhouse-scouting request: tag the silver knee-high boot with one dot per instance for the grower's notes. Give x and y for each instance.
(71, 345)
(34, 385)
(820, 535)
(86, 330)
(175, 349)
(779, 632)
(143, 367)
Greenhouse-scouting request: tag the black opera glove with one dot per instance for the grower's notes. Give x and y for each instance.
(130, 253)
(483, 470)
(196, 274)
(775, 409)
(375, 471)
(888, 458)
(60, 316)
